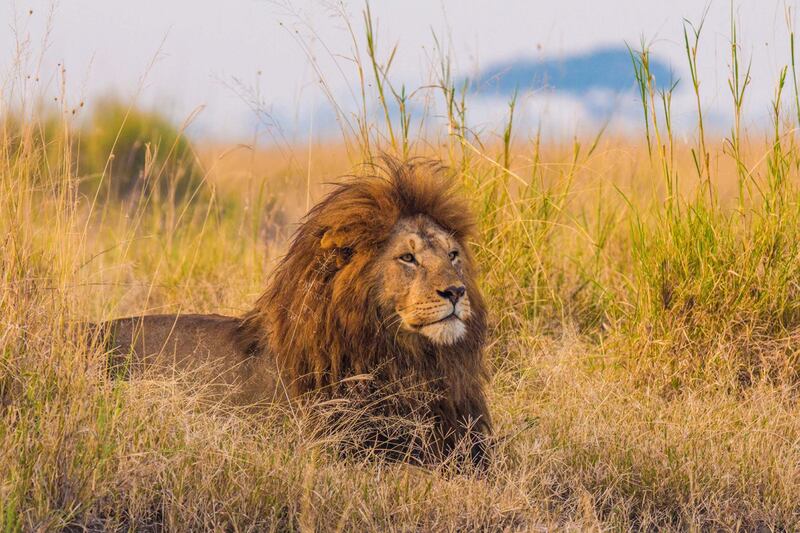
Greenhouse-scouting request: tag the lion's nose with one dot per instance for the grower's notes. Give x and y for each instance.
(453, 293)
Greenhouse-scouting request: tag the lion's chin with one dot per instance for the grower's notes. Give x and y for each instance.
(445, 332)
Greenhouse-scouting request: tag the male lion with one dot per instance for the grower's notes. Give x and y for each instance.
(378, 280)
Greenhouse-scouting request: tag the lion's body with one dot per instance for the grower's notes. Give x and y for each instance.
(378, 280)
(203, 345)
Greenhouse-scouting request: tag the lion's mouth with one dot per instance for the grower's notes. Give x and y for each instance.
(445, 331)
(451, 316)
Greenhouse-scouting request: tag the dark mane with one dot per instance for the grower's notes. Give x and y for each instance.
(318, 316)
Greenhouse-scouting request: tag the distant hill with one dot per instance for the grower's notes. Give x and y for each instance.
(608, 69)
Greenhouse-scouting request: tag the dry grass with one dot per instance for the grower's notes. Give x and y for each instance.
(645, 319)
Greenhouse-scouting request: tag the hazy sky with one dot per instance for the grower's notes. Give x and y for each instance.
(220, 54)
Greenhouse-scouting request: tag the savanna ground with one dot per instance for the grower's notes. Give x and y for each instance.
(645, 300)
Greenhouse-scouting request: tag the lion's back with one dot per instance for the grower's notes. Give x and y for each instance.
(204, 347)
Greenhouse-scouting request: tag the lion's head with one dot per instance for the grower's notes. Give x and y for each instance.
(421, 281)
(379, 279)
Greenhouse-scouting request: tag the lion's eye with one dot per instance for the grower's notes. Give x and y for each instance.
(453, 255)
(408, 258)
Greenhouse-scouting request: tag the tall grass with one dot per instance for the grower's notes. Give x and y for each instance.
(645, 319)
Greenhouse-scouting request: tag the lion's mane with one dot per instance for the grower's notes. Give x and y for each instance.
(318, 316)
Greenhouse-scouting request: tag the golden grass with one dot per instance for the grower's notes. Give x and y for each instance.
(644, 339)
(623, 414)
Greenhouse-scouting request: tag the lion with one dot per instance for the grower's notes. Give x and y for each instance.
(379, 281)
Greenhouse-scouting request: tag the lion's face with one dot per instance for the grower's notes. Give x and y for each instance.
(422, 281)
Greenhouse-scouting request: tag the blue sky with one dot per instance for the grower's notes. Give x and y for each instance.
(229, 57)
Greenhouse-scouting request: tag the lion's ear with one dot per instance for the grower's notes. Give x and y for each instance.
(335, 238)
(340, 241)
